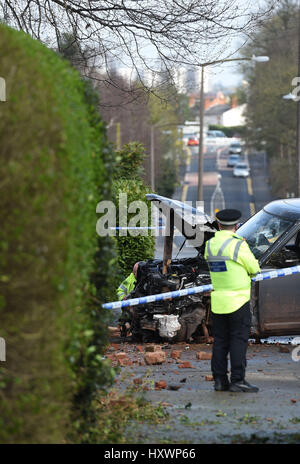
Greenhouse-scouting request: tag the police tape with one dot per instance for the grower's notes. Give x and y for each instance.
(194, 290)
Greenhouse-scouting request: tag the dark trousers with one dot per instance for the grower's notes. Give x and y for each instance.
(231, 333)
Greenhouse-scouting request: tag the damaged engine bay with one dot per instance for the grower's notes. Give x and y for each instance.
(181, 319)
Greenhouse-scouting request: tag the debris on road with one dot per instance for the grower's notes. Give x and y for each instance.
(138, 381)
(174, 387)
(160, 385)
(203, 356)
(158, 357)
(152, 348)
(186, 365)
(175, 354)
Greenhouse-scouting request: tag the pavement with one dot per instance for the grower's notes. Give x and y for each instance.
(197, 413)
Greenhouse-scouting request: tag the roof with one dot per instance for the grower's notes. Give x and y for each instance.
(289, 208)
(217, 109)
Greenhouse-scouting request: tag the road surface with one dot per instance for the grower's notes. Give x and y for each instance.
(247, 195)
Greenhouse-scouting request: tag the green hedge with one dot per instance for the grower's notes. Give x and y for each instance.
(230, 131)
(131, 249)
(53, 172)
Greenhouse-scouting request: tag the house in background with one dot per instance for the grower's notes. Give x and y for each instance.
(214, 115)
(225, 115)
(210, 99)
(234, 116)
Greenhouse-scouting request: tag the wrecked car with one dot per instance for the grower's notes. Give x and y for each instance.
(273, 235)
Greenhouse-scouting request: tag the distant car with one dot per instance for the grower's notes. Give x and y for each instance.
(241, 170)
(235, 148)
(186, 137)
(215, 133)
(233, 160)
(192, 141)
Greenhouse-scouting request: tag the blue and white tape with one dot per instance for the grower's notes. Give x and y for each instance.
(278, 273)
(194, 290)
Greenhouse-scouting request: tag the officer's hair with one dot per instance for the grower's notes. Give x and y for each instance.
(225, 227)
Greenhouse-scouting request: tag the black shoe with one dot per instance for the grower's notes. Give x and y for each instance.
(221, 385)
(243, 386)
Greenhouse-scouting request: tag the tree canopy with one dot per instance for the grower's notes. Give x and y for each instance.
(142, 35)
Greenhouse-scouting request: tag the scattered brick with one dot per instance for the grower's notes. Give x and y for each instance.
(185, 365)
(125, 362)
(293, 400)
(137, 381)
(140, 348)
(203, 356)
(157, 357)
(160, 385)
(152, 348)
(209, 378)
(175, 354)
(121, 355)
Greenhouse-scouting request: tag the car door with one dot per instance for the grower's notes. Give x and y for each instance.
(278, 300)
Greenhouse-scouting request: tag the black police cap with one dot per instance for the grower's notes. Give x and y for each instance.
(228, 217)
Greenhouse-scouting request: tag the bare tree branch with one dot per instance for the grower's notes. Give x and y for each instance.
(139, 34)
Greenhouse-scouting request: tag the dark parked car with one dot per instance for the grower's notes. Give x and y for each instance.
(273, 234)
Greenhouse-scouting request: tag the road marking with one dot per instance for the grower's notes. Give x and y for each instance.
(249, 185)
(188, 156)
(250, 192)
(184, 192)
(252, 208)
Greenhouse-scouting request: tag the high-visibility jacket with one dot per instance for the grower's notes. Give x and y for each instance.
(231, 265)
(126, 286)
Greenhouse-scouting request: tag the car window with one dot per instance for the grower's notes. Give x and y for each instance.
(241, 166)
(262, 230)
(288, 255)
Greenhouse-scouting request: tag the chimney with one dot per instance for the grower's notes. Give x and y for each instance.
(234, 102)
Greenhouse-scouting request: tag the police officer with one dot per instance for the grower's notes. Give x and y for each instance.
(128, 284)
(231, 263)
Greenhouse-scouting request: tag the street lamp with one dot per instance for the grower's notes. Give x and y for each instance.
(289, 96)
(258, 59)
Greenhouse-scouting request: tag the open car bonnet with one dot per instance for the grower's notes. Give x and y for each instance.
(196, 226)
